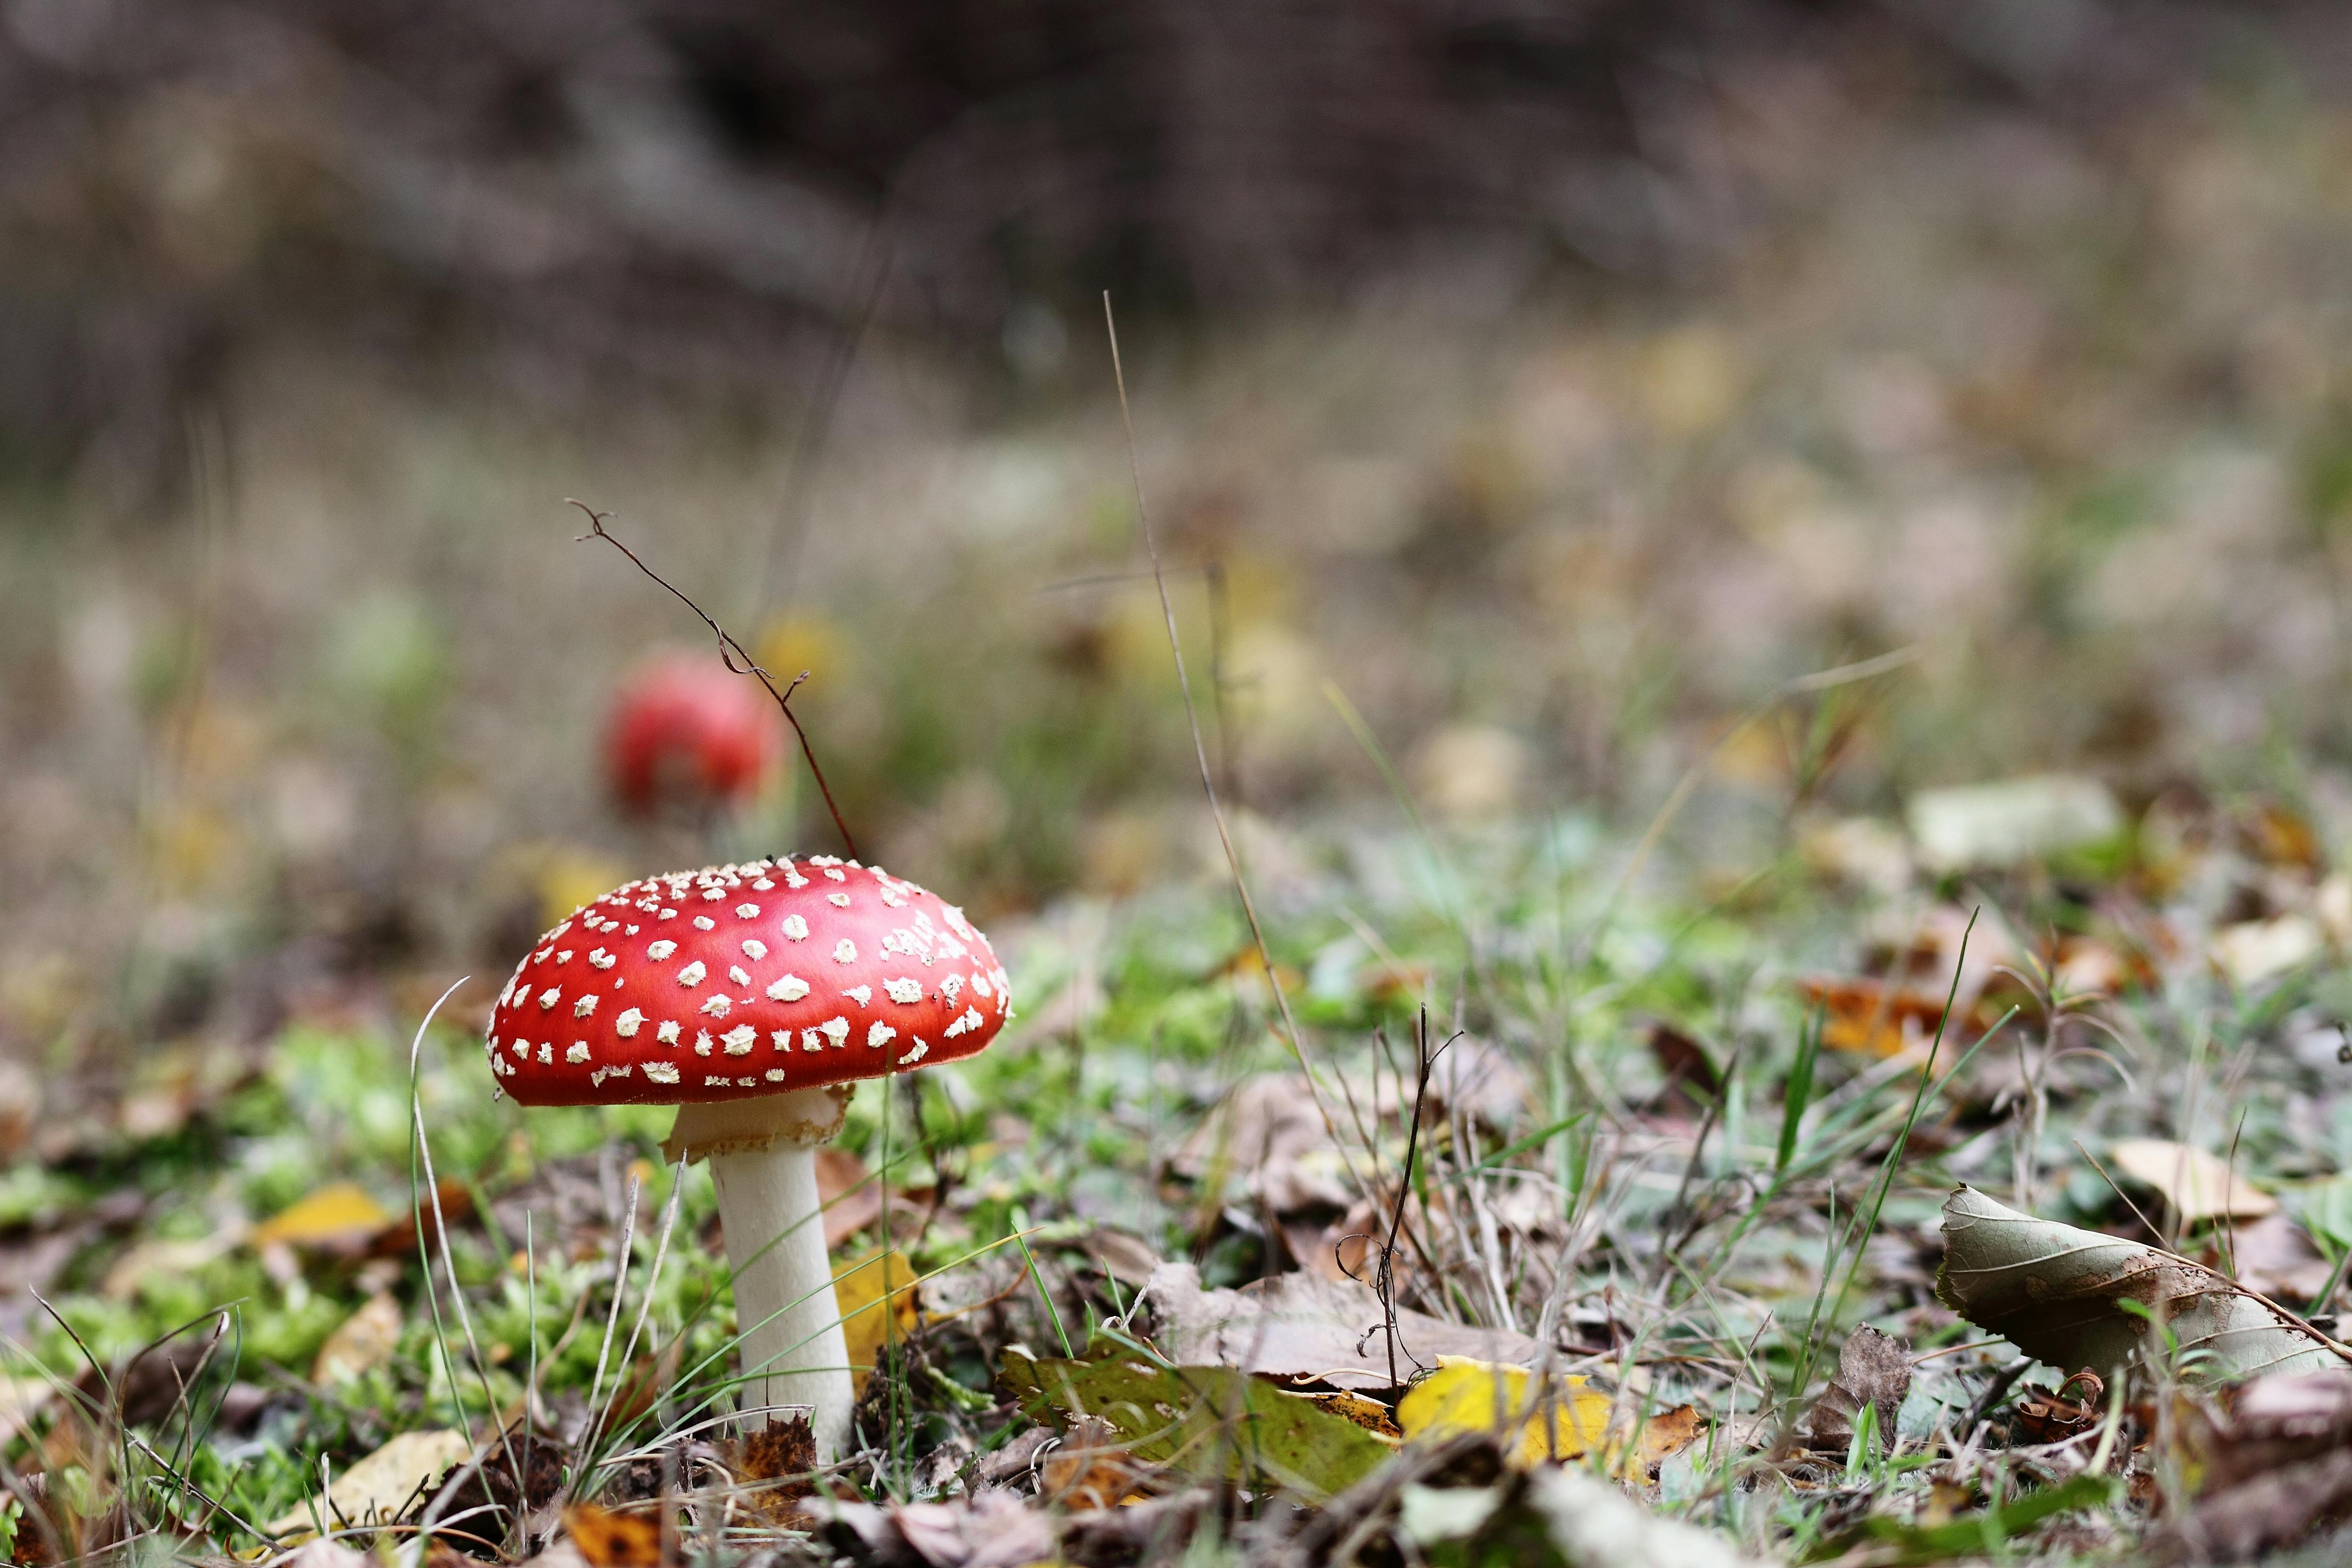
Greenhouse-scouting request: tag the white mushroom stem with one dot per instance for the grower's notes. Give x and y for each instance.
(762, 1156)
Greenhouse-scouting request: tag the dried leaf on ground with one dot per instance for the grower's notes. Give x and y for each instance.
(2273, 1257)
(1692, 1077)
(1369, 1413)
(360, 1342)
(611, 1540)
(1269, 1132)
(1566, 1421)
(991, 1530)
(2041, 1417)
(1090, 1470)
(518, 1454)
(1560, 1421)
(1873, 1371)
(2269, 1511)
(340, 1214)
(323, 1553)
(852, 1198)
(858, 1286)
(1882, 1020)
(1310, 1328)
(772, 1466)
(1125, 1258)
(2056, 1292)
(2274, 1464)
(2195, 1186)
(2273, 1421)
(451, 1200)
(1213, 1420)
(380, 1487)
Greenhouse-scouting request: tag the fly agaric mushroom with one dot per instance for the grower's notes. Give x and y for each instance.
(751, 998)
(683, 730)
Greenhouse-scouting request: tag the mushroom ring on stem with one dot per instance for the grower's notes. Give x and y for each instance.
(751, 998)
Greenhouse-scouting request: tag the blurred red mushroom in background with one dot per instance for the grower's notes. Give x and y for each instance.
(684, 732)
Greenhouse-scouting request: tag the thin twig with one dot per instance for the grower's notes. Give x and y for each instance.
(1201, 754)
(729, 650)
(1384, 1277)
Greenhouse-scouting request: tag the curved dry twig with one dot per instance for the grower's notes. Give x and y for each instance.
(729, 650)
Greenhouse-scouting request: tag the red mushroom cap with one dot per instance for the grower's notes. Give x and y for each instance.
(736, 981)
(687, 727)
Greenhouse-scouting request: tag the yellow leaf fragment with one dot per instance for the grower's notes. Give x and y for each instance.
(376, 1489)
(338, 1214)
(1466, 1395)
(1667, 1432)
(2195, 1186)
(858, 1286)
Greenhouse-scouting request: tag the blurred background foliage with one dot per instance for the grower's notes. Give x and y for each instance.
(1551, 383)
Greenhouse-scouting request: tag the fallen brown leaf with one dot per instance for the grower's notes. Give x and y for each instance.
(2275, 1464)
(2056, 1292)
(2274, 1256)
(2053, 1418)
(1308, 1328)
(1873, 1371)
(360, 1342)
(851, 1199)
(1126, 1258)
(1882, 1020)
(1667, 1432)
(2195, 1186)
(1691, 1075)
(1369, 1414)
(378, 1489)
(518, 1453)
(396, 1237)
(773, 1466)
(1091, 1469)
(991, 1530)
(610, 1539)
(1268, 1131)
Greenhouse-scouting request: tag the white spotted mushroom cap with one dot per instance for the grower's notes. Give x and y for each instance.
(735, 981)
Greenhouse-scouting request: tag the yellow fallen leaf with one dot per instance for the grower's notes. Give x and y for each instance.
(2196, 1185)
(377, 1489)
(858, 1287)
(1466, 1395)
(338, 1214)
(360, 1342)
(1667, 1432)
